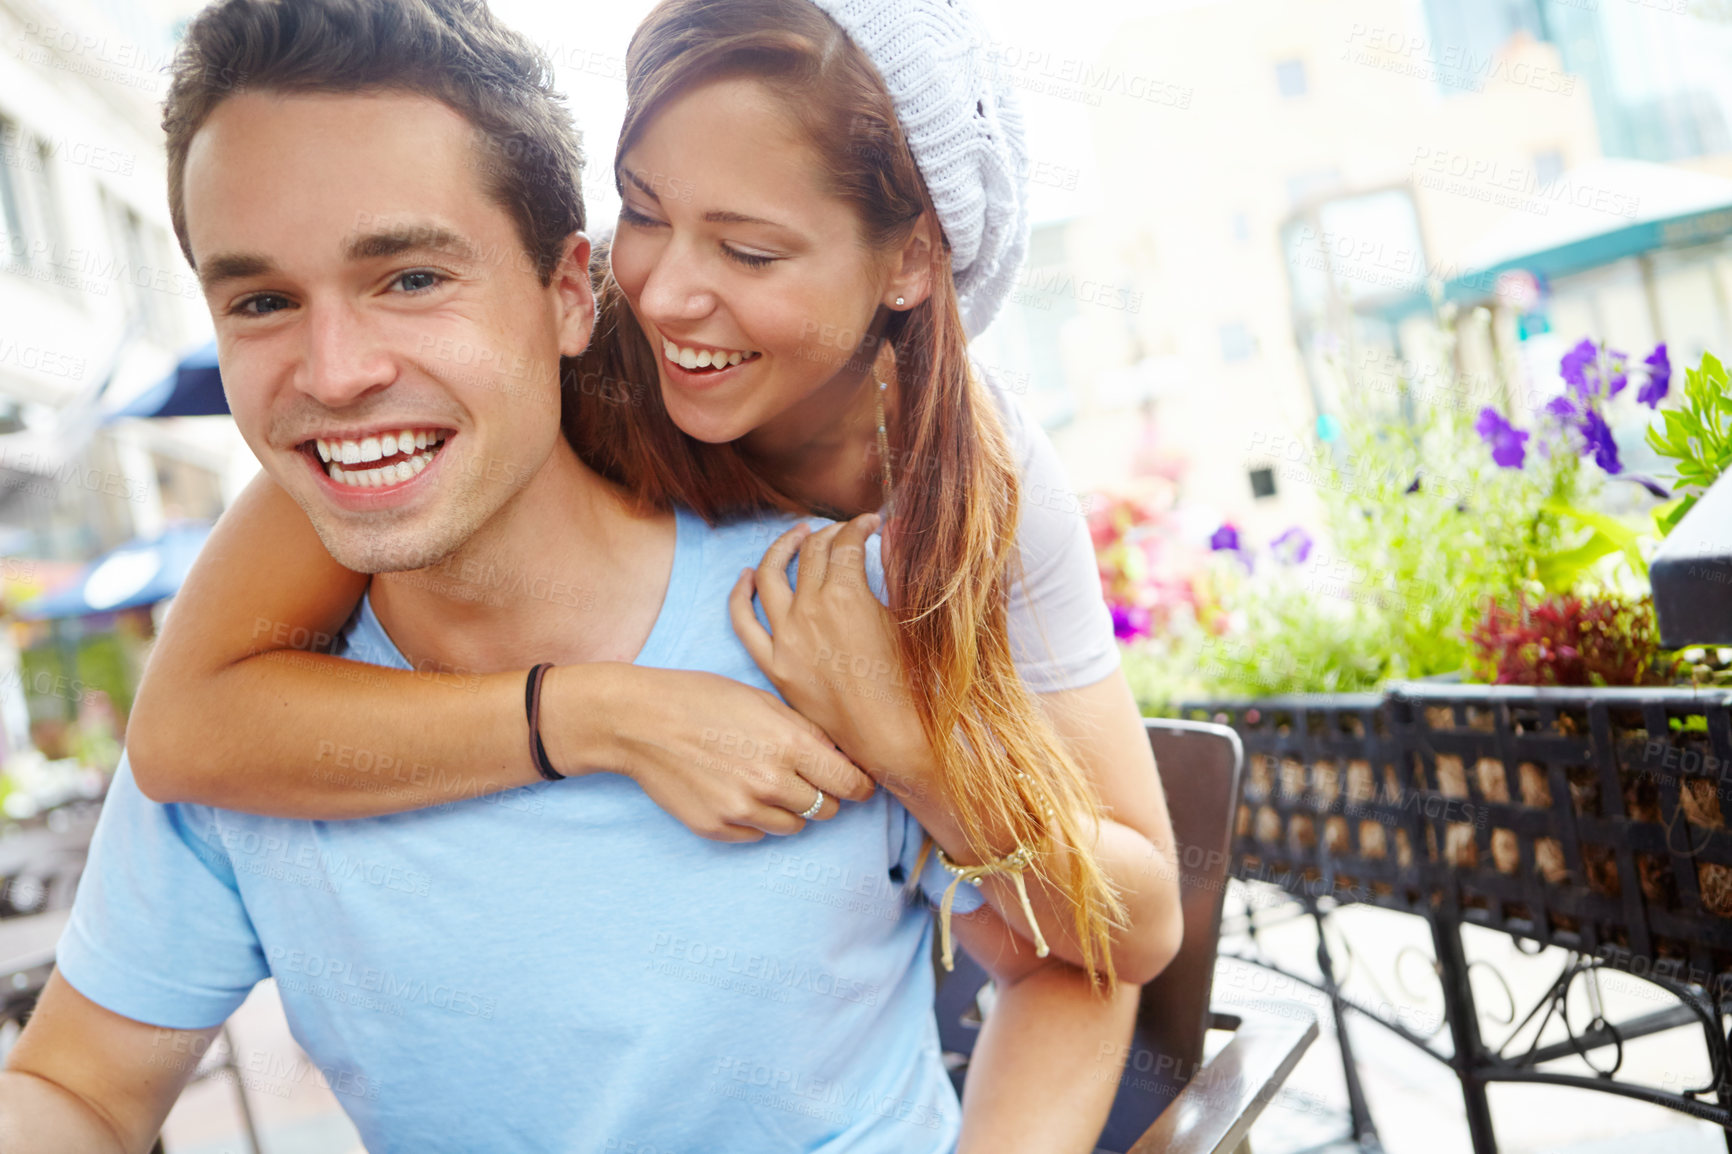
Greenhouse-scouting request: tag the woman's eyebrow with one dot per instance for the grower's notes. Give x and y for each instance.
(721, 216)
(640, 184)
(714, 216)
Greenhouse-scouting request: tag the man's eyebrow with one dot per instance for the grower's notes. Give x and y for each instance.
(371, 246)
(229, 266)
(410, 238)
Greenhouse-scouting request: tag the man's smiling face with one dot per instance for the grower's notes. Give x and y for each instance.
(387, 348)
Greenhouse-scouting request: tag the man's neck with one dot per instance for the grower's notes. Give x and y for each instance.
(567, 571)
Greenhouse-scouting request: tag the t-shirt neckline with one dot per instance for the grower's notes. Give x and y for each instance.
(670, 623)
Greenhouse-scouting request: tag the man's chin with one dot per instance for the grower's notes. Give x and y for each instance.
(378, 540)
(374, 543)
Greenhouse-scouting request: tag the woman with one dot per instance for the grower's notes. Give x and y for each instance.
(776, 219)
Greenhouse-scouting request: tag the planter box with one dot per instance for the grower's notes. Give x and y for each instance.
(1592, 819)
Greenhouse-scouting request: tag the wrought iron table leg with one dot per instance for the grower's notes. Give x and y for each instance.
(1463, 1017)
(1723, 1088)
(1359, 1110)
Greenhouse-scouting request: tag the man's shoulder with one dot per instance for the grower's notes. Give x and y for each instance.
(741, 541)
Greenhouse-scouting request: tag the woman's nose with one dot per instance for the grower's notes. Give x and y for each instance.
(676, 288)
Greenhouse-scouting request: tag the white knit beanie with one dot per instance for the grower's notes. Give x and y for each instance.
(964, 127)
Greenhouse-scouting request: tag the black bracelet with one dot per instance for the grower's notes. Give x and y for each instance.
(532, 706)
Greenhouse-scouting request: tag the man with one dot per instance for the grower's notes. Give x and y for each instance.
(584, 976)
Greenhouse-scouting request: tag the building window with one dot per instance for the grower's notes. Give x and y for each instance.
(1262, 483)
(47, 203)
(1290, 78)
(29, 213)
(1237, 343)
(12, 155)
(135, 265)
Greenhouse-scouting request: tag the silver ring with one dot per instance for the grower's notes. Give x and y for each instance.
(812, 811)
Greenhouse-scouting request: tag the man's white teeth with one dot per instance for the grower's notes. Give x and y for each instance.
(422, 443)
(383, 475)
(376, 448)
(690, 358)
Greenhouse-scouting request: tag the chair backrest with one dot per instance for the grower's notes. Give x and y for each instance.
(1199, 766)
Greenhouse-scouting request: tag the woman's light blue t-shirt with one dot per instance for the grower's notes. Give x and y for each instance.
(560, 967)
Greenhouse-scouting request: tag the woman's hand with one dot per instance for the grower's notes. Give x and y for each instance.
(730, 762)
(831, 649)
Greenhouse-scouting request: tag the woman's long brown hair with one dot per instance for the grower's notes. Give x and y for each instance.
(950, 551)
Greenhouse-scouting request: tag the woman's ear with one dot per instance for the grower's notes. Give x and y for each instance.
(912, 267)
(576, 296)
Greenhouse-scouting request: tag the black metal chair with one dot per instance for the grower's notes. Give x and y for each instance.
(1170, 1101)
(39, 871)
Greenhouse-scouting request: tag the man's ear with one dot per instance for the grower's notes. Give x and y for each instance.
(576, 296)
(911, 268)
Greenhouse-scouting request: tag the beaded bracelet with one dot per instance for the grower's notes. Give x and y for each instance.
(1012, 863)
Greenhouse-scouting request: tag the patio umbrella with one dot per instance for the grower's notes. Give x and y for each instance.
(141, 572)
(194, 389)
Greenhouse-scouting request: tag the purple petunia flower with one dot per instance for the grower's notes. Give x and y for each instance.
(1618, 363)
(1225, 540)
(1597, 439)
(1293, 546)
(1561, 407)
(1575, 363)
(1131, 622)
(1659, 378)
(1507, 442)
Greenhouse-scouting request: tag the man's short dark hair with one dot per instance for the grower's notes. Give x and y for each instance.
(454, 51)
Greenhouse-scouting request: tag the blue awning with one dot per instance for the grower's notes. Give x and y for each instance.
(194, 389)
(1664, 207)
(141, 572)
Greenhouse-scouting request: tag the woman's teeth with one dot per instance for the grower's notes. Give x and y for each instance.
(688, 358)
(404, 454)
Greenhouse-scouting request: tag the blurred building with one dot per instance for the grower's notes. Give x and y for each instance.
(1655, 69)
(96, 305)
(1276, 174)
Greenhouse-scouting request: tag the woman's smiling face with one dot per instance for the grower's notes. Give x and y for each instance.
(750, 278)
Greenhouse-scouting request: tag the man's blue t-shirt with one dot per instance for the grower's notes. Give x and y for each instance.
(561, 967)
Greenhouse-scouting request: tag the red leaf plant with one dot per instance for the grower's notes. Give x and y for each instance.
(1565, 639)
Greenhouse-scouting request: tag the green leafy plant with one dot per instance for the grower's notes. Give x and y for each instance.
(1421, 530)
(1696, 437)
(1449, 542)
(1440, 530)
(1607, 535)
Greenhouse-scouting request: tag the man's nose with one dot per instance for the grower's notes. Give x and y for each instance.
(345, 360)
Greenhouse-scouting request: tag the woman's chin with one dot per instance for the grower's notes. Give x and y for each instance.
(701, 423)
